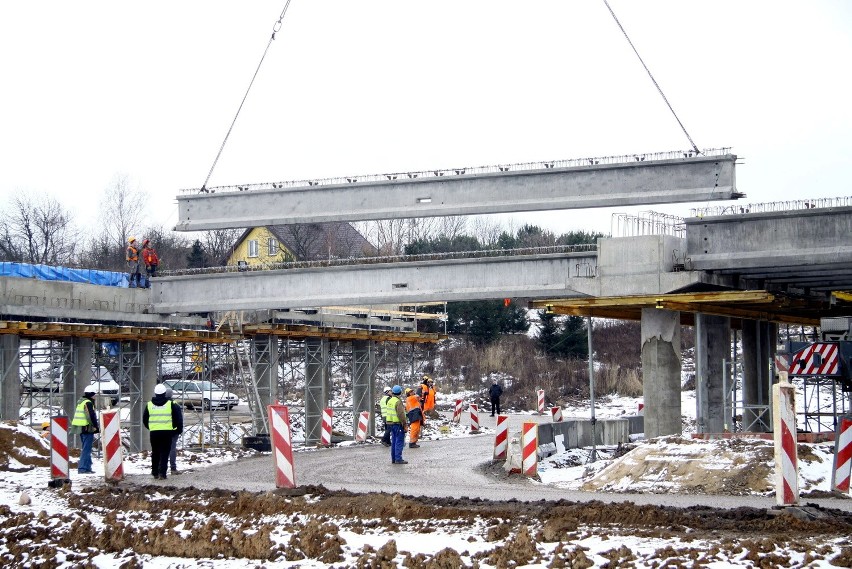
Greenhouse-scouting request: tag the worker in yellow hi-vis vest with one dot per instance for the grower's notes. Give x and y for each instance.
(164, 420)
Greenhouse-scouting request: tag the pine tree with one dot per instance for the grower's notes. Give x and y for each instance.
(196, 259)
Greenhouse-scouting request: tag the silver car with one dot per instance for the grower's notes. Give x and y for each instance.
(201, 394)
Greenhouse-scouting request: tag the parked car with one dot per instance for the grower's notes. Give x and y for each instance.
(51, 380)
(201, 394)
(104, 384)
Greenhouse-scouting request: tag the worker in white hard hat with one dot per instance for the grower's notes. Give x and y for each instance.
(163, 419)
(85, 422)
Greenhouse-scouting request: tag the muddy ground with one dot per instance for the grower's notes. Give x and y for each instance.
(306, 523)
(133, 523)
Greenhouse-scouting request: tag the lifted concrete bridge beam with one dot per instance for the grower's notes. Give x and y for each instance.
(638, 182)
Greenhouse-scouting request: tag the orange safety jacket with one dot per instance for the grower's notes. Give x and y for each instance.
(149, 256)
(424, 395)
(430, 400)
(132, 253)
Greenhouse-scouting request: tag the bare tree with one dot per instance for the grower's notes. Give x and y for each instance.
(218, 243)
(452, 226)
(37, 230)
(122, 210)
(487, 231)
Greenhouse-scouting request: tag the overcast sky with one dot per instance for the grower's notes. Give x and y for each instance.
(147, 90)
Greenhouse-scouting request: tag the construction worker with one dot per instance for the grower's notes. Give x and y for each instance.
(423, 393)
(163, 419)
(394, 413)
(151, 260)
(85, 422)
(429, 403)
(386, 440)
(175, 434)
(132, 257)
(415, 416)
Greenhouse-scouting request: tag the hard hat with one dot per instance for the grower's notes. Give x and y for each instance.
(45, 425)
(397, 390)
(90, 390)
(387, 389)
(146, 242)
(160, 389)
(131, 239)
(408, 390)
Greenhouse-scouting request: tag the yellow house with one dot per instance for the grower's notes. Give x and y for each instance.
(259, 246)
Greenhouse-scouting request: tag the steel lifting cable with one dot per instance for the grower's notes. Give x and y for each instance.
(275, 29)
(683, 128)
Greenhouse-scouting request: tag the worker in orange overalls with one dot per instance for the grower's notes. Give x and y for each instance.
(429, 404)
(423, 394)
(415, 417)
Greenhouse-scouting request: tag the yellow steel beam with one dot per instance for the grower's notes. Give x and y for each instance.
(843, 295)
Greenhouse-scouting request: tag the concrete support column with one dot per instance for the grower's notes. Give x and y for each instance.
(141, 362)
(10, 377)
(316, 381)
(265, 376)
(759, 340)
(76, 377)
(712, 350)
(661, 367)
(363, 382)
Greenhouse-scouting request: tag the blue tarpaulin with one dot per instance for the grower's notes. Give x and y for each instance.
(51, 273)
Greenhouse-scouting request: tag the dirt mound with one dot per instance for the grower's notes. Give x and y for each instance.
(22, 448)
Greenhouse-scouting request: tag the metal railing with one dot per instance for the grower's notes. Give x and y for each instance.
(465, 171)
(647, 223)
(769, 207)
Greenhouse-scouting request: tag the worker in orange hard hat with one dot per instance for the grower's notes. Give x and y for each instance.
(415, 417)
(428, 398)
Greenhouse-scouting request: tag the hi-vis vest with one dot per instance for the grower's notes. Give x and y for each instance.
(160, 418)
(81, 414)
(389, 409)
(132, 253)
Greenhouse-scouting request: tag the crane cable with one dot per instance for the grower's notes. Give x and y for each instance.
(275, 28)
(683, 128)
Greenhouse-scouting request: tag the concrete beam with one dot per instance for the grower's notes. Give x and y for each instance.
(808, 243)
(694, 179)
(535, 276)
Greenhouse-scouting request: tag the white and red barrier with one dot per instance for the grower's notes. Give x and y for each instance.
(540, 394)
(474, 417)
(282, 446)
(111, 438)
(641, 409)
(457, 412)
(501, 440)
(325, 431)
(786, 456)
(59, 450)
(556, 414)
(842, 456)
(363, 422)
(529, 448)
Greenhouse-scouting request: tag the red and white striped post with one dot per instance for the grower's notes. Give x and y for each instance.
(58, 451)
(529, 448)
(282, 446)
(641, 409)
(501, 440)
(457, 412)
(842, 456)
(111, 437)
(541, 401)
(474, 417)
(363, 422)
(325, 433)
(556, 414)
(786, 455)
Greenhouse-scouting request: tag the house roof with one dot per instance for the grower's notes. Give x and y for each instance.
(315, 241)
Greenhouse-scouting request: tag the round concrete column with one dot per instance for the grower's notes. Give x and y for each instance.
(661, 367)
